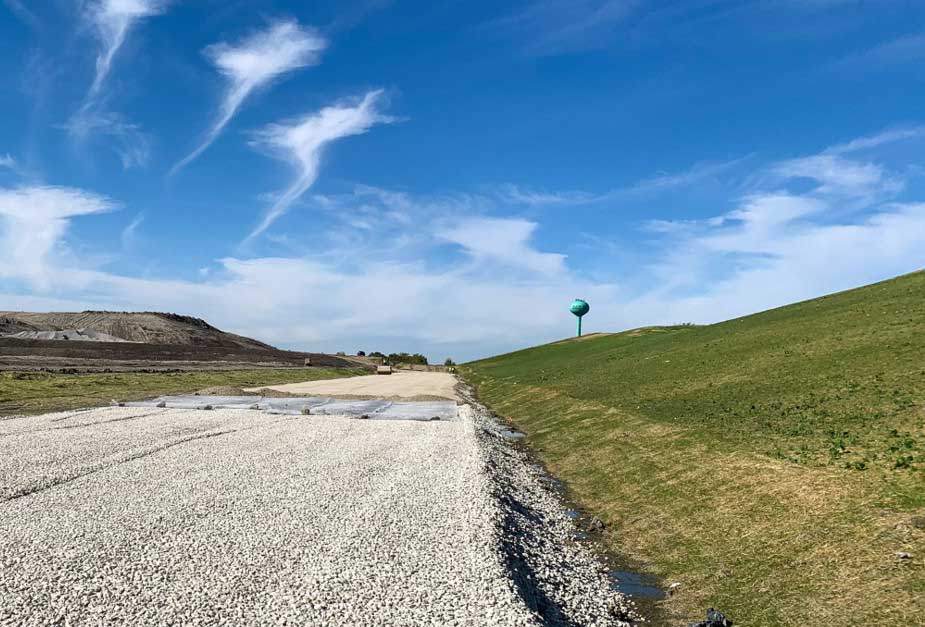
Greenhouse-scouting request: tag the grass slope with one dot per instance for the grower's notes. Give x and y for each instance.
(37, 392)
(774, 465)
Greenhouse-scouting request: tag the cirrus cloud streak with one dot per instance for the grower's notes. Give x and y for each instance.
(251, 64)
(302, 142)
(112, 21)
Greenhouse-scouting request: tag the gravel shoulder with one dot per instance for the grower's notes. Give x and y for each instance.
(118, 516)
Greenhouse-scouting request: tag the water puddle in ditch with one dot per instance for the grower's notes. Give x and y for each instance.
(510, 434)
(633, 584)
(636, 585)
(643, 589)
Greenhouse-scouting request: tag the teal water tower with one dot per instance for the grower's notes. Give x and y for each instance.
(579, 307)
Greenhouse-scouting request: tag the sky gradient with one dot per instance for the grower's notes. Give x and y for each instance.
(445, 177)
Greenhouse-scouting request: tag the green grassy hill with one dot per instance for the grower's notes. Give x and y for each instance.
(774, 465)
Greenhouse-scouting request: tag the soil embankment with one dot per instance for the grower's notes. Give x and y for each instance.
(769, 466)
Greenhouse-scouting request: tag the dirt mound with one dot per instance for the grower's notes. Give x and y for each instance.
(76, 335)
(20, 354)
(137, 341)
(11, 324)
(145, 327)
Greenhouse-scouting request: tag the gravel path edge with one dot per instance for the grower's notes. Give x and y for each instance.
(562, 580)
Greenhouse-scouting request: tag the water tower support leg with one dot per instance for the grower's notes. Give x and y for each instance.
(579, 327)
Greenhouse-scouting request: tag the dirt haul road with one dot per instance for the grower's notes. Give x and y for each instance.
(401, 384)
(150, 516)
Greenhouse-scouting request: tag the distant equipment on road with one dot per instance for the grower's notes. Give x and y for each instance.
(383, 369)
(579, 307)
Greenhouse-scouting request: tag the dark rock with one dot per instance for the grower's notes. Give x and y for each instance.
(162, 404)
(364, 417)
(207, 407)
(596, 525)
(306, 411)
(435, 418)
(715, 618)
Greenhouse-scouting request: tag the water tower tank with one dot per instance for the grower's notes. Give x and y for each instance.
(579, 307)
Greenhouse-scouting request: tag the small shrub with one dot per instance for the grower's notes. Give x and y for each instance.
(903, 462)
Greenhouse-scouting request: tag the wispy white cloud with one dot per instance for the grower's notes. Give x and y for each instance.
(555, 26)
(837, 172)
(697, 173)
(781, 239)
(837, 176)
(902, 50)
(302, 142)
(372, 225)
(112, 21)
(783, 249)
(503, 241)
(20, 10)
(130, 143)
(883, 138)
(129, 232)
(34, 221)
(756, 226)
(661, 182)
(253, 63)
(7, 161)
(525, 196)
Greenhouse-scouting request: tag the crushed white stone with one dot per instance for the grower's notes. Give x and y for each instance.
(121, 516)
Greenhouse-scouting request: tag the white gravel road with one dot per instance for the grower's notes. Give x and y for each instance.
(128, 516)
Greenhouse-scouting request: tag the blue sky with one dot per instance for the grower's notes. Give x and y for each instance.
(446, 176)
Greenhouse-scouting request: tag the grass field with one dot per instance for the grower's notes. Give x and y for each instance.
(774, 465)
(37, 392)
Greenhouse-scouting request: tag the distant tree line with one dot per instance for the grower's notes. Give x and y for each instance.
(402, 358)
(396, 358)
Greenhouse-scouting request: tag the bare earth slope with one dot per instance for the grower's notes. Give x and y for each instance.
(147, 327)
(130, 341)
